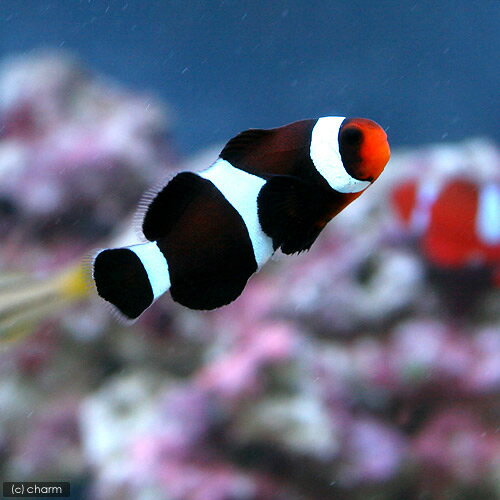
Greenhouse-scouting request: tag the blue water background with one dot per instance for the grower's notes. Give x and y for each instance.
(427, 70)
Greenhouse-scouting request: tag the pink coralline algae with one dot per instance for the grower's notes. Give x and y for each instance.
(455, 444)
(348, 371)
(374, 452)
(67, 140)
(238, 371)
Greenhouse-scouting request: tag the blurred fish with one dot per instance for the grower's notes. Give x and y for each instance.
(210, 231)
(456, 221)
(26, 300)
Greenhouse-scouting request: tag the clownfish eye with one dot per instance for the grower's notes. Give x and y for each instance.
(351, 136)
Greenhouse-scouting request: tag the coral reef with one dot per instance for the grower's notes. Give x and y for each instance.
(344, 372)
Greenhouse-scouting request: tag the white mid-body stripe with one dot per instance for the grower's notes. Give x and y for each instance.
(156, 266)
(241, 189)
(325, 155)
(488, 214)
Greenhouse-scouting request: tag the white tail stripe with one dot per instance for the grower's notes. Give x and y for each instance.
(241, 189)
(156, 266)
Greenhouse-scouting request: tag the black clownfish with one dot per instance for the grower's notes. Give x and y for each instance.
(210, 231)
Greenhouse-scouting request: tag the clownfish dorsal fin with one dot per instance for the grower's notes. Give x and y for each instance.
(292, 212)
(244, 144)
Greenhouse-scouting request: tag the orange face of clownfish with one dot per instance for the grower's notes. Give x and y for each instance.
(364, 148)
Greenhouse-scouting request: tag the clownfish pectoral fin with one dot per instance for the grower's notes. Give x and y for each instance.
(291, 213)
(169, 204)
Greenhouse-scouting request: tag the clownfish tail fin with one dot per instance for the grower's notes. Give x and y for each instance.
(131, 278)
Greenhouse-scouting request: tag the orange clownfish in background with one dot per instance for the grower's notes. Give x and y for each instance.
(457, 222)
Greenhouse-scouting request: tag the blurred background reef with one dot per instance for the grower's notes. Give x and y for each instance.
(367, 368)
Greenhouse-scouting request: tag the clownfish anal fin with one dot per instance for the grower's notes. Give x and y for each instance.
(169, 204)
(243, 144)
(292, 213)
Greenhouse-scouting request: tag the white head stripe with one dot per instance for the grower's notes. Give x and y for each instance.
(325, 155)
(488, 214)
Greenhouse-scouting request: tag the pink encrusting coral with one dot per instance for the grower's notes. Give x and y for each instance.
(76, 152)
(456, 447)
(343, 372)
(68, 139)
